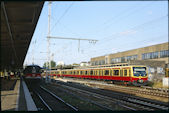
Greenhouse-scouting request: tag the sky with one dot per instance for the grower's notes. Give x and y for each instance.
(117, 25)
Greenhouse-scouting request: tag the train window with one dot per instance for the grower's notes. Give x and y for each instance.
(85, 72)
(106, 72)
(91, 72)
(116, 72)
(125, 72)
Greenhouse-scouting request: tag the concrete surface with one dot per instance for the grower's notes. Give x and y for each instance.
(9, 100)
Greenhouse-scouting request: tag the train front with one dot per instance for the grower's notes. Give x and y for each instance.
(32, 71)
(139, 76)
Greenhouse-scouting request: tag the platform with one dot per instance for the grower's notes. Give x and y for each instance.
(18, 99)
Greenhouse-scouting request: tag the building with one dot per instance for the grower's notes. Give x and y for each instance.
(85, 64)
(155, 57)
(159, 52)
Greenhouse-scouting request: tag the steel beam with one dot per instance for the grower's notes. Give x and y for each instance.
(9, 28)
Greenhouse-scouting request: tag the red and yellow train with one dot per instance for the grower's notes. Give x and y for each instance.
(32, 71)
(135, 75)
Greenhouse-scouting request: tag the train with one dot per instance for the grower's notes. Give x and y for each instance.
(167, 72)
(32, 71)
(129, 75)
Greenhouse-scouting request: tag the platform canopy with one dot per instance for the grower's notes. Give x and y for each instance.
(18, 23)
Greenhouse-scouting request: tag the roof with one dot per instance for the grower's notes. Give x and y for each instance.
(102, 68)
(18, 22)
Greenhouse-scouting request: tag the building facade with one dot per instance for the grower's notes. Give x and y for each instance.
(159, 52)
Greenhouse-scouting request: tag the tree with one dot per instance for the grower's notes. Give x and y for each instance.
(53, 64)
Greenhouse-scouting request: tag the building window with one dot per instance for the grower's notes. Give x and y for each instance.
(134, 57)
(151, 55)
(155, 55)
(164, 53)
(122, 59)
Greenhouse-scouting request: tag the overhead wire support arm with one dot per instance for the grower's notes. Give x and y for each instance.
(90, 40)
(73, 38)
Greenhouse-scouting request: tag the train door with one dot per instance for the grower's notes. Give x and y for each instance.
(121, 72)
(125, 74)
(106, 74)
(111, 74)
(94, 74)
(100, 74)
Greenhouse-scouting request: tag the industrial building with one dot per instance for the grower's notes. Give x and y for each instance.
(159, 52)
(155, 57)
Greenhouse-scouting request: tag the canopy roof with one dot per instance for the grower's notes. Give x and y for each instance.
(18, 22)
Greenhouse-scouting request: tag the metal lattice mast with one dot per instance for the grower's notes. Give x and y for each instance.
(48, 40)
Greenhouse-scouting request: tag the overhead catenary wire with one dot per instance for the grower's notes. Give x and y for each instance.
(62, 16)
(132, 12)
(115, 36)
(108, 40)
(130, 44)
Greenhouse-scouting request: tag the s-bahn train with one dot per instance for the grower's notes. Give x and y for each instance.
(32, 71)
(134, 75)
(167, 72)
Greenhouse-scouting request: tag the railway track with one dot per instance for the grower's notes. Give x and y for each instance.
(48, 100)
(160, 92)
(128, 101)
(79, 95)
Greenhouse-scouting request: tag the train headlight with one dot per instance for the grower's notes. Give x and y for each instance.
(141, 81)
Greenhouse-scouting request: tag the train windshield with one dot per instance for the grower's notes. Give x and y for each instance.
(139, 71)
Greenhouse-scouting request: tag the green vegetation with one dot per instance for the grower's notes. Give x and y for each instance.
(53, 64)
